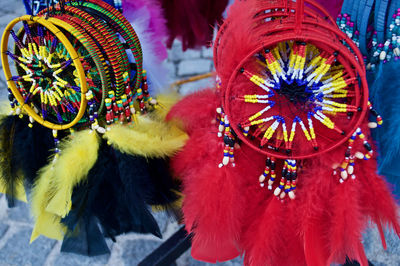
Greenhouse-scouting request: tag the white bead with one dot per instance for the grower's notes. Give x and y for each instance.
(262, 184)
(372, 125)
(396, 51)
(247, 128)
(18, 111)
(269, 187)
(353, 177)
(292, 195)
(219, 134)
(277, 191)
(382, 55)
(225, 161)
(359, 155)
(344, 175)
(369, 66)
(283, 194)
(101, 130)
(350, 170)
(261, 178)
(133, 111)
(221, 128)
(341, 181)
(220, 165)
(153, 101)
(31, 119)
(219, 110)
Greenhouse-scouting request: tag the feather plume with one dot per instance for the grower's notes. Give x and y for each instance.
(214, 220)
(197, 110)
(46, 223)
(78, 155)
(192, 21)
(51, 194)
(166, 102)
(387, 137)
(149, 23)
(150, 139)
(11, 180)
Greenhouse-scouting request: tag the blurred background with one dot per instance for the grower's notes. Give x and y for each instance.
(16, 225)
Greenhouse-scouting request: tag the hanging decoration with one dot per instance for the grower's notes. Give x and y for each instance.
(83, 135)
(375, 29)
(287, 160)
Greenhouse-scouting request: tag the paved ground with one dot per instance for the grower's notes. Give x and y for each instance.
(16, 226)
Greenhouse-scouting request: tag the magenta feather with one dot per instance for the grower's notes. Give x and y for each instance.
(146, 17)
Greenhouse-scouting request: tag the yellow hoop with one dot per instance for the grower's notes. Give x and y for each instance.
(75, 58)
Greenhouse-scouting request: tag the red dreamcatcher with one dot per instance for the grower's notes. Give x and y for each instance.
(291, 101)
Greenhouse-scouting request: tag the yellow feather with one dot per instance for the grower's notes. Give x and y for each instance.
(166, 101)
(78, 156)
(46, 224)
(51, 195)
(150, 138)
(176, 205)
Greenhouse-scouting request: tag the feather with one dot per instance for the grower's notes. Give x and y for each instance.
(89, 241)
(149, 23)
(11, 180)
(197, 110)
(46, 223)
(333, 7)
(213, 204)
(51, 194)
(150, 138)
(134, 177)
(212, 219)
(166, 102)
(78, 155)
(387, 136)
(192, 21)
(118, 190)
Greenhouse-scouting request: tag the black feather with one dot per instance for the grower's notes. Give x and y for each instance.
(116, 193)
(87, 239)
(23, 151)
(134, 175)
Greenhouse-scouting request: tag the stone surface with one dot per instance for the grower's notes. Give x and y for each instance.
(136, 250)
(207, 53)
(67, 259)
(194, 67)
(196, 86)
(3, 229)
(18, 251)
(20, 213)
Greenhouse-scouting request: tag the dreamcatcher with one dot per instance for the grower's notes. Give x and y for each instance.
(287, 173)
(80, 97)
(374, 27)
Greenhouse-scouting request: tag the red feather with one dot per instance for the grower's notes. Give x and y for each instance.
(197, 110)
(192, 21)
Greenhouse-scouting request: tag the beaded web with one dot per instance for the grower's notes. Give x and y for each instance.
(47, 78)
(300, 93)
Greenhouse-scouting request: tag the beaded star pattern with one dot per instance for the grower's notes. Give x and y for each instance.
(310, 80)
